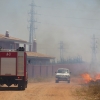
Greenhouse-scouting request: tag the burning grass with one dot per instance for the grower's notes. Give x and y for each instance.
(90, 89)
(87, 77)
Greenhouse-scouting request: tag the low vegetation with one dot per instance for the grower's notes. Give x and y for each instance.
(41, 79)
(90, 91)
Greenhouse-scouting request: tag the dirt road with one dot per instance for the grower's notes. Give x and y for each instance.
(40, 91)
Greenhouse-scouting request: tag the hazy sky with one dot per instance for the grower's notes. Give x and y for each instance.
(72, 21)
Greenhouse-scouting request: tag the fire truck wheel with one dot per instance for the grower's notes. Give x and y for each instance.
(19, 87)
(23, 86)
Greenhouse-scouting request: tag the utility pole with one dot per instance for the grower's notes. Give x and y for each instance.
(94, 47)
(61, 51)
(94, 66)
(32, 25)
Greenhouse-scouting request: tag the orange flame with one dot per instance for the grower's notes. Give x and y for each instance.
(97, 77)
(86, 77)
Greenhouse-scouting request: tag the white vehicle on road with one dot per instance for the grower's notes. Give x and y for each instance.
(62, 74)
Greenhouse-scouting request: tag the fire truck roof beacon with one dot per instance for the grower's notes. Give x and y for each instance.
(21, 49)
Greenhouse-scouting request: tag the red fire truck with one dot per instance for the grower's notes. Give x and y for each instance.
(13, 68)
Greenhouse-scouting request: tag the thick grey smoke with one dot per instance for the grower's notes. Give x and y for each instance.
(72, 21)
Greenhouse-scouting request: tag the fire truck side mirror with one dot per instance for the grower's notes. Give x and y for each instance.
(0, 48)
(29, 61)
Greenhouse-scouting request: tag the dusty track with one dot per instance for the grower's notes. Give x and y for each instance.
(40, 91)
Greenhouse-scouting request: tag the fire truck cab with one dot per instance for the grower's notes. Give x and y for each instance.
(13, 68)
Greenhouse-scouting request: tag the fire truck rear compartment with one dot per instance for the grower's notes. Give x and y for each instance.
(13, 69)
